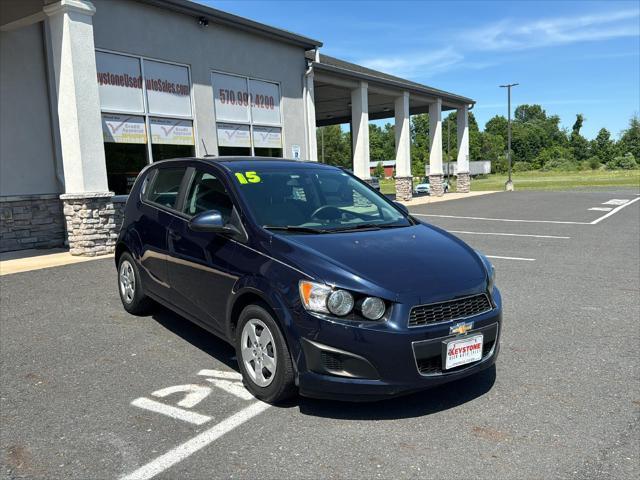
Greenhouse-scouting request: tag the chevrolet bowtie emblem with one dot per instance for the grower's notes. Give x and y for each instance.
(460, 328)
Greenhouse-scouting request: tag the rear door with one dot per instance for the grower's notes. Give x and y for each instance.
(200, 264)
(160, 198)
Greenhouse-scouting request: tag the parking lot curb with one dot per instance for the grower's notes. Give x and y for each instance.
(28, 260)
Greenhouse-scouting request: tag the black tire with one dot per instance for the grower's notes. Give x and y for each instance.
(282, 386)
(137, 303)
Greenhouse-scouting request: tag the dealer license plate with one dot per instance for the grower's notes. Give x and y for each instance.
(461, 351)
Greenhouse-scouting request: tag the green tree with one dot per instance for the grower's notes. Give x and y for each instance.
(376, 143)
(578, 144)
(492, 146)
(529, 113)
(497, 126)
(419, 144)
(630, 139)
(337, 146)
(379, 170)
(603, 146)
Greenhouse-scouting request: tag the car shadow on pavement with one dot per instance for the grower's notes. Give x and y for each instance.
(196, 336)
(418, 404)
(424, 402)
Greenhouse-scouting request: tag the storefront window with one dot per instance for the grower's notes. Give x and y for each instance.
(145, 117)
(248, 116)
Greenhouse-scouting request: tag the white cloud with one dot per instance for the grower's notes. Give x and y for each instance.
(422, 64)
(512, 35)
(469, 49)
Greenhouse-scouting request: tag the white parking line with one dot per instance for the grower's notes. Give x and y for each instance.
(601, 209)
(509, 234)
(168, 410)
(614, 211)
(616, 201)
(594, 222)
(498, 219)
(188, 448)
(512, 258)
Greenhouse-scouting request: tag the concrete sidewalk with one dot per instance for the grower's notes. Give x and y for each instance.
(425, 199)
(35, 259)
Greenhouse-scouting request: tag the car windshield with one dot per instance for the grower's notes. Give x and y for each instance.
(306, 200)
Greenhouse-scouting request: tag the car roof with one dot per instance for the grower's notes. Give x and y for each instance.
(247, 163)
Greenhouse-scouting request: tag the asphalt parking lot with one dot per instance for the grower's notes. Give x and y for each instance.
(88, 391)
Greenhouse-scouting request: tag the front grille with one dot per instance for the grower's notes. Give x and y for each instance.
(450, 310)
(433, 365)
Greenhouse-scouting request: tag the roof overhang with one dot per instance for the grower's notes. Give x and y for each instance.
(213, 15)
(334, 79)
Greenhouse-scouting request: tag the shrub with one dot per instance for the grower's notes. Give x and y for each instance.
(499, 165)
(594, 163)
(559, 158)
(626, 162)
(560, 165)
(522, 166)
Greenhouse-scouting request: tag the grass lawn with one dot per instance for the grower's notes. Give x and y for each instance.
(546, 180)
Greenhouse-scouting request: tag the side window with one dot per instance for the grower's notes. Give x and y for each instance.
(165, 187)
(207, 193)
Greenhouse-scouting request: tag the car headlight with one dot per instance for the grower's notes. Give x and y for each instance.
(491, 271)
(321, 298)
(372, 308)
(492, 278)
(314, 296)
(340, 302)
(317, 297)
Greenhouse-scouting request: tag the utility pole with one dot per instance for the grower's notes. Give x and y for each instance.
(322, 142)
(509, 185)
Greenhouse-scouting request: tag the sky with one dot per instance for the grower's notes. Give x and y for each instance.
(569, 56)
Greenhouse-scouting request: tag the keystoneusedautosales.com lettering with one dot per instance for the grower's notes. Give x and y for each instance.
(128, 81)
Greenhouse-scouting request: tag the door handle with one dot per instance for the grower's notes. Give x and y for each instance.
(173, 235)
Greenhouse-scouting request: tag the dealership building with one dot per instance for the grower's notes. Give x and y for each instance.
(91, 92)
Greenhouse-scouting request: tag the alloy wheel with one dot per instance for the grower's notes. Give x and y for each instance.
(127, 281)
(258, 352)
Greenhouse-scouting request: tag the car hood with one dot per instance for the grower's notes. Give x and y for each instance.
(421, 261)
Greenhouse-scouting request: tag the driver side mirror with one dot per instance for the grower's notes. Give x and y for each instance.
(402, 207)
(211, 221)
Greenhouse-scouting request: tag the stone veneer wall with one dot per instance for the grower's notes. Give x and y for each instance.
(93, 222)
(436, 185)
(463, 182)
(404, 188)
(31, 221)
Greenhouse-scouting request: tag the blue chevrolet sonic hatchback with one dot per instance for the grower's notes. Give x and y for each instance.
(323, 285)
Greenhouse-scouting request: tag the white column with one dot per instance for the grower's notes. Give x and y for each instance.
(360, 131)
(403, 136)
(435, 136)
(74, 65)
(312, 153)
(463, 139)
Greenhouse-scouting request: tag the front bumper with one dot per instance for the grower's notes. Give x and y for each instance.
(338, 360)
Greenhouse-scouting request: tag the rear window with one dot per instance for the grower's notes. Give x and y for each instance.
(165, 186)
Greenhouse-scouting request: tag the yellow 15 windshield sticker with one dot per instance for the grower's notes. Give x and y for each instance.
(248, 177)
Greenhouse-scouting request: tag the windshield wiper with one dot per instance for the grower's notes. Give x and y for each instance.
(293, 228)
(367, 226)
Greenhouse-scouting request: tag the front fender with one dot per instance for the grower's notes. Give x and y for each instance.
(277, 300)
